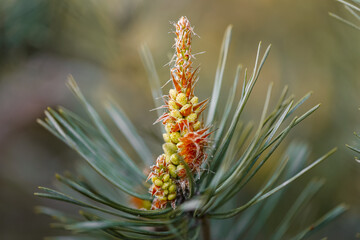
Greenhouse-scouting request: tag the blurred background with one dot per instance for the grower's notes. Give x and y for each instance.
(42, 42)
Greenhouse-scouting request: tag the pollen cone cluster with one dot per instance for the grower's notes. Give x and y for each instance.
(185, 137)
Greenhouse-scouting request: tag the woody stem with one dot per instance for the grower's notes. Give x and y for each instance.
(205, 228)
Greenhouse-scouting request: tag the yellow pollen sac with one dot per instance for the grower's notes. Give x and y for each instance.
(173, 173)
(165, 186)
(171, 167)
(184, 132)
(172, 170)
(181, 98)
(172, 93)
(175, 114)
(175, 137)
(166, 177)
(158, 182)
(194, 100)
(197, 125)
(169, 126)
(180, 167)
(153, 179)
(192, 117)
(172, 105)
(175, 159)
(166, 192)
(166, 137)
(169, 148)
(172, 188)
(163, 198)
(186, 110)
(171, 196)
(167, 158)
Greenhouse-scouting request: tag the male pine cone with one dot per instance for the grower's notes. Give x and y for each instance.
(186, 138)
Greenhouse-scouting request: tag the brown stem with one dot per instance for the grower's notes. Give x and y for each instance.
(205, 229)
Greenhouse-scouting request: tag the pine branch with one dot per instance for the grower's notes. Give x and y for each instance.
(201, 172)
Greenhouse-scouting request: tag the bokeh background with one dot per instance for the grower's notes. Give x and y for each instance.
(43, 41)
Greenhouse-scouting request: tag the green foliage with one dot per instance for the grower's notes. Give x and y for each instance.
(239, 150)
(56, 26)
(354, 9)
(355, 149)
